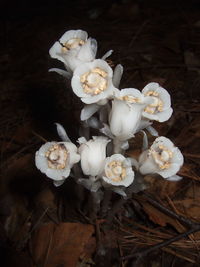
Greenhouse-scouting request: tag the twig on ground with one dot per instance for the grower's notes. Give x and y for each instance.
(170, 212)
(143, 253)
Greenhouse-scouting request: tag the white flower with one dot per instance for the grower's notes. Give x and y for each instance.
(93, 82)
(160, 110)
(93, 154)
(162, 158)
(126, 112)
(118, 171)
(56, 159)
(74, 48)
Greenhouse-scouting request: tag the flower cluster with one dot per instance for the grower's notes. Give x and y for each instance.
(118, 115)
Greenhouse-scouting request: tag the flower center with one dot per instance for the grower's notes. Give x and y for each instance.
(130, 99)
(162, 156)
(115, 171)
(72, 43)
(57, 157)
(156, 106)
(94, 82)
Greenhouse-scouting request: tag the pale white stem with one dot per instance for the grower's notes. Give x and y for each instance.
(117, 146)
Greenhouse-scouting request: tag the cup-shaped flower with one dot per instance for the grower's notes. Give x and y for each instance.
(162, 158)
(160, 109)
(56, 159)
(92, 81)
(126, 112)
(93, 154)
(74, 48)
(118, 171)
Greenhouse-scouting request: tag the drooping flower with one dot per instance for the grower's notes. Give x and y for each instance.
(126, 113)
(92, 82)
(118, 171)
(162, 158)
(74, 48)
(93, 154)
(56, 159)
(160, 109)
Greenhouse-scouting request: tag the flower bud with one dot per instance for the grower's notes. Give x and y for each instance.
(93, 154)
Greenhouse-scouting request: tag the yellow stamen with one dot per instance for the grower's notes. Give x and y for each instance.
(72, 43)
(94, 82)
(57, 157)
(156, 106)
(115, 171)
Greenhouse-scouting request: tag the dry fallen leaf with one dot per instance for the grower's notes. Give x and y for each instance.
(60, 245)
(160, 218)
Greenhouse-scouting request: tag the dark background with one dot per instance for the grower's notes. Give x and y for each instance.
(154, 41)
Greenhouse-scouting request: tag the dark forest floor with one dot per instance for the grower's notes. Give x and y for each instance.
(154, 41)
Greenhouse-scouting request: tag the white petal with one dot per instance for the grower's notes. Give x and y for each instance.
(73, 34)
(163, 141)
(93, 154)
(165, 115)
(45, 147)
(172, 170)
(41, 162)
(177, 156)
(71, 62)
(62, 133)
(69, 146)
(88, 111)
(116, 157)
(150, 87)
(93, 99)
(76, 85)
(160, 116)
(56, 52)
(126, 182)
(74, 158)
(165, 97)
(58, 174)
(86, 52)
(148, 166)
(131, 92)
(124, 119)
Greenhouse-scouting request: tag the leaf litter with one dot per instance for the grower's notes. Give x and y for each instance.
(40, 225)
